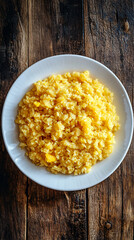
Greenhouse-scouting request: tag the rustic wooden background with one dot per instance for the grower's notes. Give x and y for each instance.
(29, 31)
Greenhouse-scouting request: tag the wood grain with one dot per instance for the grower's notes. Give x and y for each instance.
(31, 30)
(107, 41)
(13, 51)
(55, 27)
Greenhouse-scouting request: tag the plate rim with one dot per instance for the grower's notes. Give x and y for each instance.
(130, 137)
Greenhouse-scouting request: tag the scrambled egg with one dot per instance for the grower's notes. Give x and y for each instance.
(67, 123)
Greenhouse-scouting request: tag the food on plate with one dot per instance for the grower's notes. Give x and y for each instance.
(67, 123)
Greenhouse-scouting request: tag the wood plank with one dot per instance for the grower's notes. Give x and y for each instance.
(13, 51)
(55, 27)
(110, 204)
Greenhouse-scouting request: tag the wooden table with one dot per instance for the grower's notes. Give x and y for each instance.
(32, 30)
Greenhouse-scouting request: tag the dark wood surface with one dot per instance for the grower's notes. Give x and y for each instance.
(29, 31)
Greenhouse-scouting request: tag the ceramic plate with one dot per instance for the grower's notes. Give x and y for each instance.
(62, 64)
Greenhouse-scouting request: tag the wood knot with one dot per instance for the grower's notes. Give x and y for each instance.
(126, 26)
(108, 225)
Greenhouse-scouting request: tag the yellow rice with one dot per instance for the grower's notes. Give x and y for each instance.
(67, 123)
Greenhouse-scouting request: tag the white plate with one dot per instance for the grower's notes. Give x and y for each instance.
(62, 64)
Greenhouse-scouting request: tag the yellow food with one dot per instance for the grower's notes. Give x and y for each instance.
(67, 122)
(50, 158)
